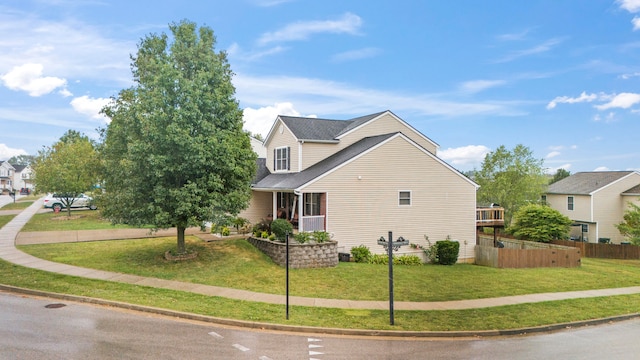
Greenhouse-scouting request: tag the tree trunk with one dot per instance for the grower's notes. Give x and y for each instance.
(182, 249)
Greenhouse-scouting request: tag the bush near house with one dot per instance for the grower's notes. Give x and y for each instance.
(447, 252)
(280, 228)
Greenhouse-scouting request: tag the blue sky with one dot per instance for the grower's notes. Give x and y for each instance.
(559, 76)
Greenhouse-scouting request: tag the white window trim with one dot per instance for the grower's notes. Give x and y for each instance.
(400, 198)
(287, 164)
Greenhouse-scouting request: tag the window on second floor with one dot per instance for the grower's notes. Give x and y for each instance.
(404, 198)
(281, 159)
(569, 202)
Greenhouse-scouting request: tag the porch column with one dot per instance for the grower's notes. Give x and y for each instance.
(300, 213)
(274, 205)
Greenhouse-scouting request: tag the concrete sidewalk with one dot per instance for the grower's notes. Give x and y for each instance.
(9, 252)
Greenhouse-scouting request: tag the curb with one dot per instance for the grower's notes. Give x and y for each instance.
(319, 330)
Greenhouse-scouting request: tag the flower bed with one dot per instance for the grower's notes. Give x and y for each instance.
(300, 255)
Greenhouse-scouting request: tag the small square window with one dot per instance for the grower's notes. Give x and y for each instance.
(404, 198)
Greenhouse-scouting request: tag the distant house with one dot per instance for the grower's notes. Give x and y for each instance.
(358, 179)
(6, 176)
(596, 202)
(23, 177)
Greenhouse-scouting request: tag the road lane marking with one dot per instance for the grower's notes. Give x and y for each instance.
(240, 347)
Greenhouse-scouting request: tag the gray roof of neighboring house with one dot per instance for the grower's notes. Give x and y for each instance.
(584, 183)
(323, 129)
(19, 168)
(292, 181)
(633, 191)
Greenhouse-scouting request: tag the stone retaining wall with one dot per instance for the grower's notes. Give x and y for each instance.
(300, 255)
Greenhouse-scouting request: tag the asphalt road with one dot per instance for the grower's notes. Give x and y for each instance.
(39, 328)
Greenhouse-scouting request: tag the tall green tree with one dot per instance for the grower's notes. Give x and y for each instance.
(539, 223)
(630, 227)
(511, 179)
(21, 160)
(68, 168)
(559, 175)
(175, 153)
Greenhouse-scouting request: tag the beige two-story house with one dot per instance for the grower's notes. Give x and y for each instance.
(359, 179)
(6, 176)
(596, 202)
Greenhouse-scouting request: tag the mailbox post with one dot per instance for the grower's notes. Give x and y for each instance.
(390, 246)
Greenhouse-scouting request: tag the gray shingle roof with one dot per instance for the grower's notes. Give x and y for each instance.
(323, 129)
(584, 183)
(295, 180)
(633, 191)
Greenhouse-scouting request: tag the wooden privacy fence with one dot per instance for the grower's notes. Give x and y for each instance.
(525, 254)
(603, 251)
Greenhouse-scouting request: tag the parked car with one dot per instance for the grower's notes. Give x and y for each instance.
(55, 202)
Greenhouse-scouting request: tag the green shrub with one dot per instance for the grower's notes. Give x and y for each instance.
(447, 252)
(303, 237)
(225, 231)
(280, 227)
(379, 259)
(361, 254)
(431, 253)
(412, 260)
(321, 236)
(264, 234)
(272, 237)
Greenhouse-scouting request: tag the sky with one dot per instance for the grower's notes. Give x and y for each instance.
(558, 76)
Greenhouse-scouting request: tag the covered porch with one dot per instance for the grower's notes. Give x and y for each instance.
(305, 211)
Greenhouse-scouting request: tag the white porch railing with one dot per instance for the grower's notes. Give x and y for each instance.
(313, 223)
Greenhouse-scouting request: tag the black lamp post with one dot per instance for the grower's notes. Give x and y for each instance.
(390, 246)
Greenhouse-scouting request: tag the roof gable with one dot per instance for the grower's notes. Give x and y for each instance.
(586, 183)
(292, 181)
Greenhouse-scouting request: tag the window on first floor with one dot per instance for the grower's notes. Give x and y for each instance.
(404, 198)
(569, 202)
(585, 228)
(312, 204)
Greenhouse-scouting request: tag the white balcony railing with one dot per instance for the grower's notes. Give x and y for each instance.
(313, 223)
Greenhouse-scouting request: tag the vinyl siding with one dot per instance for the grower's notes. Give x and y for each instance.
(386, 124)
(609, 207)
(279, 140)
(362, 199)
(259, 208)
(581, 206)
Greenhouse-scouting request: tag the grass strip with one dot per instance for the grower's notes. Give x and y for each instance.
(237, 264)
(505, 317)
(19, 205)
(4, 219)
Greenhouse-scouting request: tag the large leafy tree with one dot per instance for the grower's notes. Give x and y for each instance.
(559, 175)
(539, 223)
(630, 227)
(175, 153)
(21, 160)
(68, 168)
(511, 179)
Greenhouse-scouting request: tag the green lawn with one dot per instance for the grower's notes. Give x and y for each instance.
(237, 264)
(79, 220)
(4, 219)
(19, 205)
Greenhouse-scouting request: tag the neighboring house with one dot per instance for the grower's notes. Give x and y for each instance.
(359, 179)
(23, 177)
(258, 147)
(6, 176)
(596, 202)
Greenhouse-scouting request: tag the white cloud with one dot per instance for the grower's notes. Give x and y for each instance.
(89, 106)
(622, 100)
(554, 170)
(7, 153)
(28, 77)
(259, 121)
(329, 97)
(466, 155)
(636, 23)
(552, 154)
(480, 85)
(610, 117)
(538, 49)
(631, 6)
(356, 54)
(584, 97)
(601, 168)
(349, 23)
(236, 52)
